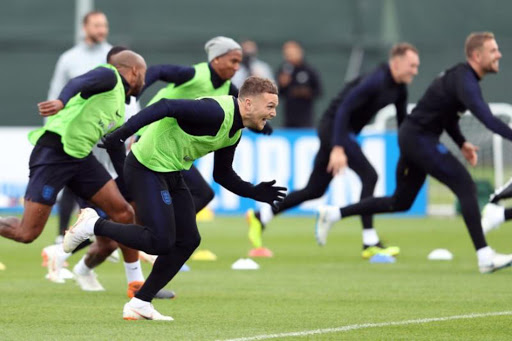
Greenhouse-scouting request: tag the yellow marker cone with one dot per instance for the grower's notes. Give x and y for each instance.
(203, 255)
(2, 266)
(205, 215)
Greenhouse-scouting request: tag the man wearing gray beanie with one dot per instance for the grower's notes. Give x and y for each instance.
(219, 46)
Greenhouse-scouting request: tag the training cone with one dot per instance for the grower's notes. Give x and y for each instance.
(440, 254)
(2, 266)
(245, 264)
(261, 252)
(185, 268)
(382, 258)
(203, 255)
(205, 215)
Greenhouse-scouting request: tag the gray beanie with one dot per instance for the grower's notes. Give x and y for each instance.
(219, 46)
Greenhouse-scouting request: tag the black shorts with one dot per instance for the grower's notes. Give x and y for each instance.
(51, 169)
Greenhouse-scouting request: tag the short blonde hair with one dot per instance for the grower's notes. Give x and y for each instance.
(475, 41)
(401, 49)
(256, 85)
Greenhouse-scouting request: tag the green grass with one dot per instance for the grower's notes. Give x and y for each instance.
(304, 287)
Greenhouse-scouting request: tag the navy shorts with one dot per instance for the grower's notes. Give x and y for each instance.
(51, 169)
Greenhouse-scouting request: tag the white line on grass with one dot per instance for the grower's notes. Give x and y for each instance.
(368, 325)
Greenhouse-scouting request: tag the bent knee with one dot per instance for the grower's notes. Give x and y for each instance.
(125, 214)
(191, 244)
(161, 249)
(208, 195)
(27, 235)
(401, 206)
(26, 239)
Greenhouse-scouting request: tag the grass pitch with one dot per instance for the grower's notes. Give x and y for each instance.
(303, 288)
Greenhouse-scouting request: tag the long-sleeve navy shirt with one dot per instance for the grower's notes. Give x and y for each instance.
(359, 102)
(449, 95)
(178, 74)
(96, 81)
(92, 83)
(199, 118)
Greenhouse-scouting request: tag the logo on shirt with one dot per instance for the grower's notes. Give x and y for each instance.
(118, 114)
(166, 197)
(188, 158)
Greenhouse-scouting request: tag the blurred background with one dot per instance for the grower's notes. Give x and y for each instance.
(341, 39)
(34, 33)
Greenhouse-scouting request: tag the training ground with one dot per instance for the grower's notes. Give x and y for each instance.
(305, 292)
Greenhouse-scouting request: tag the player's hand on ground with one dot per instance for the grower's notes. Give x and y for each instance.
(469, 151)
(337, 161)
(50, 108)
(267, 192)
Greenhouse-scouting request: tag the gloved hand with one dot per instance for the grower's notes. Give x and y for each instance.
(115, 139)
(267, 192)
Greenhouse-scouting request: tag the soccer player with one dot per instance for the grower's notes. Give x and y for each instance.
(99, 251)
(81, 58)
(203, 79)
(186, 130)
(421, 152)
(88, 107)
(348, 113)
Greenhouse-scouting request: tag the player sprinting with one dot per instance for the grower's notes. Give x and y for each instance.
(348, 113)
(62, 153)
(421, 152)
(98, 252)
(186, 130)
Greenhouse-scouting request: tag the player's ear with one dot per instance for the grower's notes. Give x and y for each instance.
(248, 102)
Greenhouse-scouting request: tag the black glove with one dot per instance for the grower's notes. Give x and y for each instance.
(115, 140)
(267, 192)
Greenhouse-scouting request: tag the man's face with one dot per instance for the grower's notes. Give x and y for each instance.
(406, 66)
(260, 109)
(228, 64)
(489, 56)
(96, 28)
(292, 53)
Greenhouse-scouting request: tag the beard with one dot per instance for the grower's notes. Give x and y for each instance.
(491, 68)
(98, 38)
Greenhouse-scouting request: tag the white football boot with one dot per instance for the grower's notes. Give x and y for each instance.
(88, 282)
(492, 217)
(147, 312)
(496, 262)
(54, 264)
(323, 225)
(82, 230)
